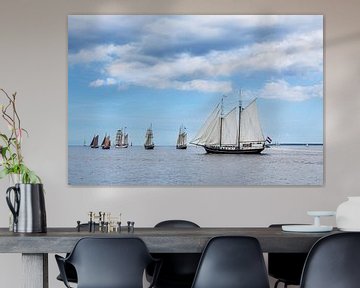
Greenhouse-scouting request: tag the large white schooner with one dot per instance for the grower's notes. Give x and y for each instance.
(237, 132)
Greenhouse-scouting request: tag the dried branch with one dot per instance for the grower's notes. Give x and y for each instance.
(12, 159)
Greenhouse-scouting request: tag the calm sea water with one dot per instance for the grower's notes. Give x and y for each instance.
(280, 165)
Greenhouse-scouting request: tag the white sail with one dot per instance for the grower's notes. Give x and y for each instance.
(250, 128)
(149, 137)
(119, 136)
(126, 139)
(180, 136)
(222, 134)
(209, 133)
(179, 140)
(184, 138)
(229, 130)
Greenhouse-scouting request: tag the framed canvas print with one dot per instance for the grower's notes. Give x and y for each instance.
(195, 100)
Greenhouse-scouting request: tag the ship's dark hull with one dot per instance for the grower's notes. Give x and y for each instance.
(121, 146)
(94, 147)
(106, 147)
(236, 150)
(181, 147)
(149, 147)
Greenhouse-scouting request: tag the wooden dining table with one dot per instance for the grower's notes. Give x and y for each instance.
(35, 247)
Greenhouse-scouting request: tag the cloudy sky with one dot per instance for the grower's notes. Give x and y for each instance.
(133, 71)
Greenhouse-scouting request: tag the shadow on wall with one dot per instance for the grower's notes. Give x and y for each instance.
(343, 39)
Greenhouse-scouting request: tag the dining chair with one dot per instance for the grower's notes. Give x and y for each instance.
(108, 263)
(286, 267)
(232, 262)
(178, 269)
(69, 269)
(333, 262)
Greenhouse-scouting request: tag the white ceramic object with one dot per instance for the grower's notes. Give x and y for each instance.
(306, 228)
(348, 214)
(316, 227)
(321, 213)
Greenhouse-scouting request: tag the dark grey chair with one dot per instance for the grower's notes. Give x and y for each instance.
(108, 263)
(286, 267)
(333, 262)
(178, 269)
(69, 269)
(232, 262)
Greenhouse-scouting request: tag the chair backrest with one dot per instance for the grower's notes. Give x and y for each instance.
(232, 262)
(176, 224)
(333, 262)
(110, 262)
(178, 269)
(287, 267)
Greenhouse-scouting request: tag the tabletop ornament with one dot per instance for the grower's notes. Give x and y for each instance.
(25, 197)
(104, 222)
(315, 227)
(348, 214)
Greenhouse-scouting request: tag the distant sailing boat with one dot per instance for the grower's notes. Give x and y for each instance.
(121, 140)
(106, 143)
(182, 138)
(149, 144)
(94, 142)
(237, 132)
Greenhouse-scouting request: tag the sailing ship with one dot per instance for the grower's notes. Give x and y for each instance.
(94, 142)
(182, 138)
(237, 132)
(106, 143)
(121, 140)
(149, 144)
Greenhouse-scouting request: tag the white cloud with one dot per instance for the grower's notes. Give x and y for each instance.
(195, 27)
(102, 53)
(296, 53)
(203, 85)
(282, 90)
(101, 82)
(130, 64)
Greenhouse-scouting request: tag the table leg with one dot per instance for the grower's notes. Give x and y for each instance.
(35, 270)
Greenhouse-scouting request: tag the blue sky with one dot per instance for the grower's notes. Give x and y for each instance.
(136, 70)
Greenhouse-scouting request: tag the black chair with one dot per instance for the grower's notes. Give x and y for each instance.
(108, 263)
(69, 269)
(232, 262)
(333, 262)
(178, 269)
(286, 267)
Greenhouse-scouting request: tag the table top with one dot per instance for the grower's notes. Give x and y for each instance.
(158, 240)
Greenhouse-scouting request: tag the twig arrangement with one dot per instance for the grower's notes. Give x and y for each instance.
(12, 160)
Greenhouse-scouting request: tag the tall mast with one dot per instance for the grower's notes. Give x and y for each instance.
(123, 138)
(221, 117)
(239, 117)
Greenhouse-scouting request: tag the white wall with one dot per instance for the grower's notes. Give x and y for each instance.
(33, 62)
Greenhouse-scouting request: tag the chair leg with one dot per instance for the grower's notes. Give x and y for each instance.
(279, 281)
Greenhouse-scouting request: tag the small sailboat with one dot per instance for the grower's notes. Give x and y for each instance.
(182, 138)
(121, 140)
(149, 144)
(237, 132)
(94, 142)
(106, 143)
